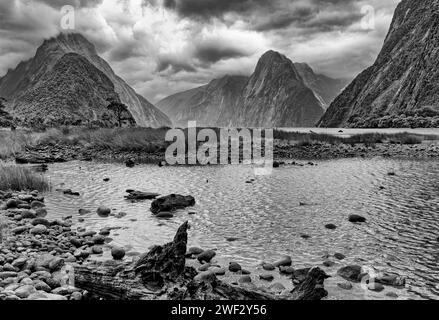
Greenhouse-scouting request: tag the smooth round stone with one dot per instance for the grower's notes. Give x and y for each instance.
(24, 291)
(11, 203)
(205, 276)
(391, 295)
(97, 250)
(98, 239)
(41, 212)
(339, 256)
(194, 251)
(117, 253)
(245, 279)
(234, 267)
(206, 256)
(164, 215)
(39, 229)
(268, 267)
(219, 271)
(245, 272)
(266, 277)
(284, 262)
(103, 211)
(355, 218)
(331, 226)
(37, 204)
(76, 296)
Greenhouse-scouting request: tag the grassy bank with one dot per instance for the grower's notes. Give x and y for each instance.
(304, 139)
(17, 178)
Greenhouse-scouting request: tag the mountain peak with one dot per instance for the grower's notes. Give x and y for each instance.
(69, 42)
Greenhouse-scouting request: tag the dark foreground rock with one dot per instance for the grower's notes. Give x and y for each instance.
(162, 274)
(171, 203)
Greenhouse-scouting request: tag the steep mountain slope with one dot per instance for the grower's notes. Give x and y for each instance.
(211, 105)
(401, 89)
(276, 96)
(325, 88)
(68, 79)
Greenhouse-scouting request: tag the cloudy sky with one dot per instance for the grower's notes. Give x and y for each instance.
(164, 46)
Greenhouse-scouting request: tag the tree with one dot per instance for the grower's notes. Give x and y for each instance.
(119, 109)
(6, 119)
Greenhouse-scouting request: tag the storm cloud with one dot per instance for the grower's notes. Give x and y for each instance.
(164, 46)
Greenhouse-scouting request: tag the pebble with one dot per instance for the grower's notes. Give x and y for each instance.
(266, 277)
(234, 267)
(245, 279)
(339, 256)
(345, 285)
(118, 253)
(103, 211)
(374, 286)
(268, 267)
(331, 226)
(206, 256)
(355, 218)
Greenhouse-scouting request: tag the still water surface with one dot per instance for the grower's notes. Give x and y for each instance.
(268, 216)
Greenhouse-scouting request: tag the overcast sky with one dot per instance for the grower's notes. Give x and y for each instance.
(164, 46)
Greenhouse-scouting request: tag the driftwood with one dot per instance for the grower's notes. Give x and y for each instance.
(162, 274)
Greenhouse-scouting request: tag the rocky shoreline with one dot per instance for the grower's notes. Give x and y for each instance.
(282, 152)
(43, 259)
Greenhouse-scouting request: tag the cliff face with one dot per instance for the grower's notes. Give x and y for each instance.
(325, 88)
(401, 89)
(211, 105)
(67, 80)
(274, 96)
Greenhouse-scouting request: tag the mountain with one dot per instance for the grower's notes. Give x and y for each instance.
(66, 82)
(325, 88)
(401, 89)
(211, 105)
(275, 95)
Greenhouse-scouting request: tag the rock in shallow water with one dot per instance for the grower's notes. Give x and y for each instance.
(234, 267)
(350, 273)
(118, 253)
(171, 203)
(206, 256)
(103, 211)
(355, 218)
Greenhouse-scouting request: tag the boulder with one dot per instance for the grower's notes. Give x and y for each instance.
(234, 267)
(171, 203)
(206, 256)
(355, 218)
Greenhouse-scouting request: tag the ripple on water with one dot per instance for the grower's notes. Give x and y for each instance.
(269, 216)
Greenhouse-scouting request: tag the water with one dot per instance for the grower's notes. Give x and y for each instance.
(400, 234)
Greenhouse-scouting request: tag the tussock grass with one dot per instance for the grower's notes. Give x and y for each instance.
(13, 142)
(307, 139)
(17, 178)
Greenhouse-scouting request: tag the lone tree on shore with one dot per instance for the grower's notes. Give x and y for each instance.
(119, 110)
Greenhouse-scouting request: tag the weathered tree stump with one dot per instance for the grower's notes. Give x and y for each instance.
(162, 274)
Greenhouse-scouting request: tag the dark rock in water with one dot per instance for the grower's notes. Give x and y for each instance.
(266, 277)
(121, 215)
(206, 256)
(164, 215)
(165, 262)
(118, 253)
(328, 263)
(331, 226)
(305, 236)
(130, 163)
(171, 203)
(140, 195)
(106, 179)
(355, 218)
(339, 256)
(284, 262)
(192, 213)
(103, 211)
(268, 266)
(234, 267)
(245, 279)
(83, 211)
(351, 273)
(71, 193)
(276, 164)
(312, 287)
(194, 251)
(231, 239)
